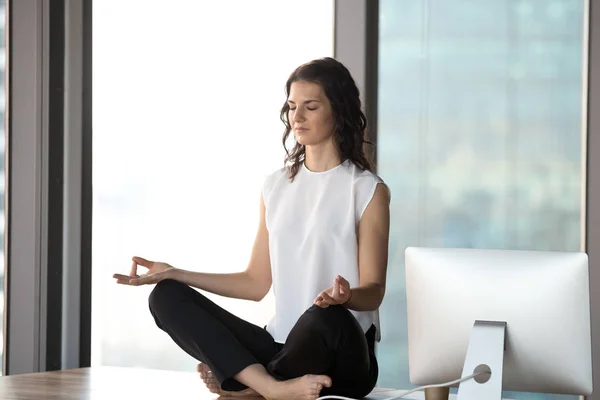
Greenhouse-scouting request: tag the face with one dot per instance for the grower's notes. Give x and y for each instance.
(310, 115)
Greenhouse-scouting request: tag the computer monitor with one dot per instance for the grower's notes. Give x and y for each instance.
(524, 314)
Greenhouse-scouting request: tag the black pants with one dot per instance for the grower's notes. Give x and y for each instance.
(326, 341)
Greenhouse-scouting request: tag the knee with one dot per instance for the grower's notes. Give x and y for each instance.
(336, 311)
(336, 315)
(164, 294)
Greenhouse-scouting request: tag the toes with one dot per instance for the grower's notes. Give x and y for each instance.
(201, 367)
(214, 383)
(206, 378)
(316, 389)
(214, 388)
(324, 380)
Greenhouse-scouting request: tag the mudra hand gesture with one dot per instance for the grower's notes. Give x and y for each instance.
(339, 293)
(157, 271)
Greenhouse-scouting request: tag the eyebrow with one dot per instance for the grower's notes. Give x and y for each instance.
(305, 102)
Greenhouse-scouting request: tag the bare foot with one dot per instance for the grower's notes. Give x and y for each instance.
(214, 386)
(307, 387)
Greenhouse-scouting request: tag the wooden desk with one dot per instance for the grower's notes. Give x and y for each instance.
(108, 383)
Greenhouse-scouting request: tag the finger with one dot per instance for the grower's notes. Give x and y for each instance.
(321, 304)
(142, 280)
(122, 279)
(343, 282)
(328, 290)
(328, 299)
(137, 281)
(336, 289)
(133, 271)
(122, 276)
(143, 262)
(319, 301)
(146, 279)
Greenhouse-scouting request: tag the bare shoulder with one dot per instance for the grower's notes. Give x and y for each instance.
(380, 203)
(382, 191)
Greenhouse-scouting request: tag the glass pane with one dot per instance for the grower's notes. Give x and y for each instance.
(2, 158)
(480, 109)
(186, 127)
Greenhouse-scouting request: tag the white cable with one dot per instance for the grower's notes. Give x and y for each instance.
(466, 378)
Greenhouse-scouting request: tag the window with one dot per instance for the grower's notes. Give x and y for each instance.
(186, 127)
(479, 135)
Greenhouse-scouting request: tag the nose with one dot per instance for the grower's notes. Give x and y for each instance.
(297, 115)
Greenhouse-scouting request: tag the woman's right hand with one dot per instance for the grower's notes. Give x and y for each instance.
(157, 271)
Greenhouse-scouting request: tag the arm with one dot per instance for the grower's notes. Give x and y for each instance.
(373, 238)
(252, 284)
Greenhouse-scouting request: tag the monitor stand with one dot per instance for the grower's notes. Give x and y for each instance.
(485, 353)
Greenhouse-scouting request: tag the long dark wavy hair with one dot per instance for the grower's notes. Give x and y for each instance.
(350, 122)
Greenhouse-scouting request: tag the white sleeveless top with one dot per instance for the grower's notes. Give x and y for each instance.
(313, 226)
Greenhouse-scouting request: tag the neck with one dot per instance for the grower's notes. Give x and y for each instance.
(322, 157)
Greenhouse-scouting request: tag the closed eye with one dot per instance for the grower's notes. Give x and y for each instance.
(308, 108)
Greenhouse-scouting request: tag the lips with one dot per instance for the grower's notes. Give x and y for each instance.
(299, 129)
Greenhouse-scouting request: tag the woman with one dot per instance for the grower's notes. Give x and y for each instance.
(322, 242)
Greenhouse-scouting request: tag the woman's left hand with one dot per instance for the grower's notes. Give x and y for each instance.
(339, 293)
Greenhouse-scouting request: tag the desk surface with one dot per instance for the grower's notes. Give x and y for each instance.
(115, 383)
